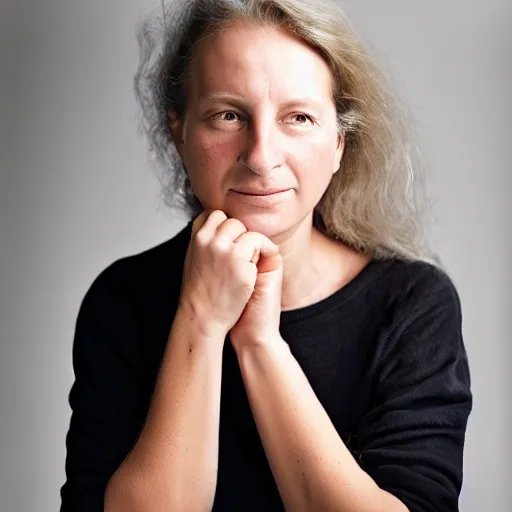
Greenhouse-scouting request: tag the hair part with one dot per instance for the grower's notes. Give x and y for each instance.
(376, 202)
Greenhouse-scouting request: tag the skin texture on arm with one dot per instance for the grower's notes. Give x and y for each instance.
(173, 465)
(312, 467)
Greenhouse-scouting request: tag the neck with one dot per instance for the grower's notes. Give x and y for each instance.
(303, 251)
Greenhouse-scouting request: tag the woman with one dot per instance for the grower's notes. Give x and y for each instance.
(296, 346)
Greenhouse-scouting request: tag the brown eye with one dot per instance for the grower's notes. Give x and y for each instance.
(227, 113)
(302, 117)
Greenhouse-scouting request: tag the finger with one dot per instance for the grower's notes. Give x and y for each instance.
(208, 222)
(230, 230)
(250, 246)
(198, 222)
(270, 264)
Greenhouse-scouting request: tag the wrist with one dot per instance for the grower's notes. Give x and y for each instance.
(275, 344)
(199, 328)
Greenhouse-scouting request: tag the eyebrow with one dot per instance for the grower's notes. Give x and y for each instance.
(238, 100)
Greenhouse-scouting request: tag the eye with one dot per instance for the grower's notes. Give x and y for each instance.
(303, 116)
(227, 112)
(229, 120)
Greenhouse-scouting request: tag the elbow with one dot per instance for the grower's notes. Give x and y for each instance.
(122, 493)
(131, 492)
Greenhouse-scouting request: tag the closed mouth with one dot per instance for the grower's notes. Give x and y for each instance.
(261, 193)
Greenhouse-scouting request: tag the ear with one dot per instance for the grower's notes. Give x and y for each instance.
(339, 151)
(176, 127)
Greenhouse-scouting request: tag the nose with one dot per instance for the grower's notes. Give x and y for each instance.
(262, 151)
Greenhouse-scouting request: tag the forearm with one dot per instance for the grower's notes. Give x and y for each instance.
(173, 465)
(312, 467)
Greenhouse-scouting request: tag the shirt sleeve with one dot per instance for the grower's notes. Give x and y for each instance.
(411, 440)
(106, 398)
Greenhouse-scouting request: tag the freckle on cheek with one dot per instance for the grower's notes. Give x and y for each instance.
(216, 152)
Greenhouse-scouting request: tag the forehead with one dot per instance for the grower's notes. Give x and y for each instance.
(257, 61)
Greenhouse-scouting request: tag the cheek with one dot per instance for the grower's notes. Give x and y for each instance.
(316, 161)
(208, 161)
(206, 158)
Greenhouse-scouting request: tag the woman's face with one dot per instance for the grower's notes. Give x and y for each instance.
(260, 117)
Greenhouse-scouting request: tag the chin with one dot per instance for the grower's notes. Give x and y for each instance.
(270, 223)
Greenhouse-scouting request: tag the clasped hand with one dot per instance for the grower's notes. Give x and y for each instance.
(232, 280)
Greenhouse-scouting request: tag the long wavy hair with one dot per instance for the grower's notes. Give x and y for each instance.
(376, 202)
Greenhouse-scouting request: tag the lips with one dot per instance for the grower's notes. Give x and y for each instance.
(260, 192)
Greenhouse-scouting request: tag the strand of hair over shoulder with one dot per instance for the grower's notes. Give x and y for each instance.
(163, 16)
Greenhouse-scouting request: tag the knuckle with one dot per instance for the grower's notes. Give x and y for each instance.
(221, 246)
(201, 240)
(245, 237)
(236, 223)
(218, 215)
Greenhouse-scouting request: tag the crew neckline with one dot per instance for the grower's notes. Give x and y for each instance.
(365, 277)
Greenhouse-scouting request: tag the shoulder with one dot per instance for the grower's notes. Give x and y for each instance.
(423, 326)
(416, 285)
(144, 272)
(396, 293)
(418, 276)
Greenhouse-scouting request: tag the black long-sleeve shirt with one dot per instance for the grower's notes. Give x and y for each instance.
(384, 355)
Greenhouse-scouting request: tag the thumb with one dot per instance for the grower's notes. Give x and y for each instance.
(270, 263)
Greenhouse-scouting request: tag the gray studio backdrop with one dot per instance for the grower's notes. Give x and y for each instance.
(77, 192)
